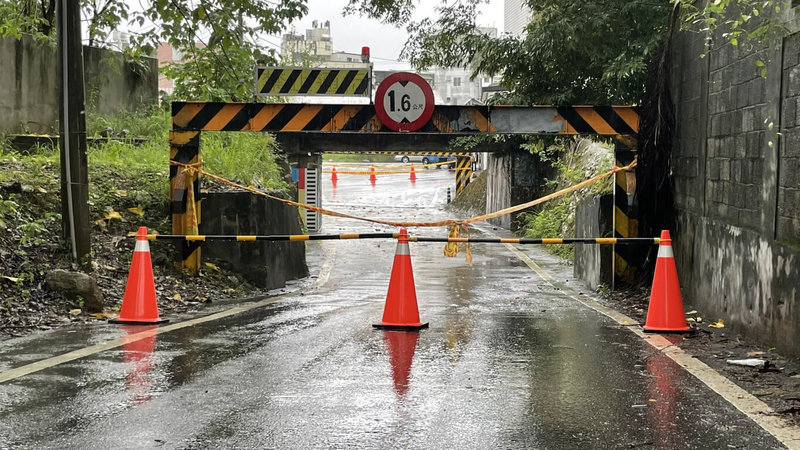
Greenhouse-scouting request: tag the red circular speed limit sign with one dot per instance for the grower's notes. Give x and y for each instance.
(404, 102)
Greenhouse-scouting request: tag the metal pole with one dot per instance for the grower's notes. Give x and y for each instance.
(74, 169)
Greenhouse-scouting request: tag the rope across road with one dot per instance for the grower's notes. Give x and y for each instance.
(350, 236)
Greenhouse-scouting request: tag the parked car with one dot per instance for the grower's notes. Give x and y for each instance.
(426, 159)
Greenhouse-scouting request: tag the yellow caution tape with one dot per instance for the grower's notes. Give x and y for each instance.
(453, 224)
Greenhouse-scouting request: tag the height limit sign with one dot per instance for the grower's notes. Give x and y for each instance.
(404, 102)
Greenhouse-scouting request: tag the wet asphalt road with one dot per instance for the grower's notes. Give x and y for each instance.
(509, 361)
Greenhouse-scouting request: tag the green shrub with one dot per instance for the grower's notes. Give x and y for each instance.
(556, 220)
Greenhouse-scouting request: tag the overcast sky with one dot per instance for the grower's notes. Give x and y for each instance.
(351, 33)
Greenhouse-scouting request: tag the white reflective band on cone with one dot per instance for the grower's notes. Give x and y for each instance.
(665, 251)
(144, 246)
(402, 249)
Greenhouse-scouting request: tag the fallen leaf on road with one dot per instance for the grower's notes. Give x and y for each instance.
(212, 266)
(104, 315)
(719, 324)
(176, 297)
(112, 215)
(74, 312)
(691, 312)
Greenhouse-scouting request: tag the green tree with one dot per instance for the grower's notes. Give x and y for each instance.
(230, 35)
(592, 51)
(573, 51)
(587, 51)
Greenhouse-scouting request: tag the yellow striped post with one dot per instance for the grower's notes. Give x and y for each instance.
(463, 173)
(184, 187)
(625, 226)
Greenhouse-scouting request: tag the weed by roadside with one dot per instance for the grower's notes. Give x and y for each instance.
(575, 161)
(128, 188)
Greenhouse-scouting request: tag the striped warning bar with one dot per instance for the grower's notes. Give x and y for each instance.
(286, 117)
(350, 236)
(300, 81)
(604, 120)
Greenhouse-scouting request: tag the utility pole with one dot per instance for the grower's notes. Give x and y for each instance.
(74, 169)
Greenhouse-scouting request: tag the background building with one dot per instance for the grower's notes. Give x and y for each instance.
(516, 16)
(315, 44)
(166, 53)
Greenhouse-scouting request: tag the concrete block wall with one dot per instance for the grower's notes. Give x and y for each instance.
(265, 264)
(29, 85)
(737, 192)
(788, 214)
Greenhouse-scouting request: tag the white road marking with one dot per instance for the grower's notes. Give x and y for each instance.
(329, 250)
(97, 348)
(758, 411)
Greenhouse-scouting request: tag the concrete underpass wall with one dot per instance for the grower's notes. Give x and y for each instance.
(593, 263)
(514, 177)
(29, 85)
(498, 187)
(266, 264)
(737, 197)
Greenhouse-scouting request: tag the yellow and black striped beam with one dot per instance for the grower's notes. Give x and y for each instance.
(459, 120)
(625, 224)
(463, 173)
(350, 236)
(299, 81)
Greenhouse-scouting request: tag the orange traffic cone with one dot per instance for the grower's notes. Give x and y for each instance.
(334, 178)
(372, 177)
(413, 176)
(665, 312)
(139, 305)
(400, 311)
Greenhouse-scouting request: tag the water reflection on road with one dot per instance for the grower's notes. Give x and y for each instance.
(509, 361)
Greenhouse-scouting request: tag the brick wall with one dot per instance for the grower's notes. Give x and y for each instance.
(788, 222)
(735, 162)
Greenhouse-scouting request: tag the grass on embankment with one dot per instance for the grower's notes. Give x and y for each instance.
(128, 188)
